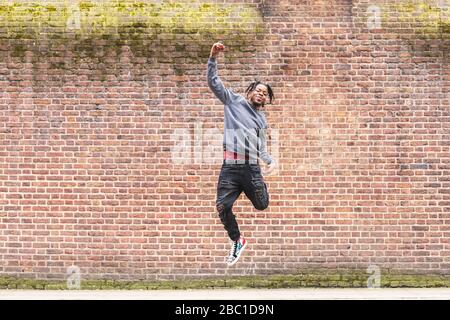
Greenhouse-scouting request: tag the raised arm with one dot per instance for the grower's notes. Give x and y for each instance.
(214, 82)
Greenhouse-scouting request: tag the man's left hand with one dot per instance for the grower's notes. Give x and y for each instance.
(270, 168)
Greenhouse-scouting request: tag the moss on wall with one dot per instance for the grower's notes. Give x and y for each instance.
(93, 19)
(305, 278)
(426, 19)
(159, 31)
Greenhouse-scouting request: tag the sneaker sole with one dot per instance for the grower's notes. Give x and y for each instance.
(238, 256)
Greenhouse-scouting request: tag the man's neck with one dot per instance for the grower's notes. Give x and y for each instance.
(256, 107)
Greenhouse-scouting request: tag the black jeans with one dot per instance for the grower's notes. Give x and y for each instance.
(233, 179)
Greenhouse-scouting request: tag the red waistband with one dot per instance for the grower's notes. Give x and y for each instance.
(228, 155)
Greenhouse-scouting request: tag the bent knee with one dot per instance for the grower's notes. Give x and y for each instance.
(262, 206)
(222, 208)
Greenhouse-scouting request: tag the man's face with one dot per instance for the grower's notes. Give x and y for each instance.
(259, 96)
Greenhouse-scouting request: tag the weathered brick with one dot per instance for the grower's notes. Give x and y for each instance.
(88, 175)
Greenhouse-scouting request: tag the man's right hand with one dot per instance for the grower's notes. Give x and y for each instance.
(216, 48)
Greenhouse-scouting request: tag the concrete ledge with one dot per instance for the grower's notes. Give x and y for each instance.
(232, 294)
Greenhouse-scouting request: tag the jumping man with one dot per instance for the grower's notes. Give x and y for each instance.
(244, 143)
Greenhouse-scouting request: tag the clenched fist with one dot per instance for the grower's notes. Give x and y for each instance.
(216, 48)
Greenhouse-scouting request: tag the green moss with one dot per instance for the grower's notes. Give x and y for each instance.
(57, 65)
(100, 17)
(150, 29)
(119, 6)
(139, 25)
(4, 9)
(307, 278)
(444, 27)
(205, 7)
(139, 5)
(51, 8)
(425, 19)
(18, 50)
(86, 6)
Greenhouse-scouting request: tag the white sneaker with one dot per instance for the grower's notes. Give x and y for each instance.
(236, 251)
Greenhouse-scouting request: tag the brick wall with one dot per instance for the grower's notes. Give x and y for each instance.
(110, 139)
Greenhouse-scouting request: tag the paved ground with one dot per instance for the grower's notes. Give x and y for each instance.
(232, 294)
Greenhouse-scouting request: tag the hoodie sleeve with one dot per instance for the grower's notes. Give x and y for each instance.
(263, 154)
(215, 84)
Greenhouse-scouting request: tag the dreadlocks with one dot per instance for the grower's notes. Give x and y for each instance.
(253, 86)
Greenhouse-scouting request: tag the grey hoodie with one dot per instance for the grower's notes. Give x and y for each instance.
(245, 127)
